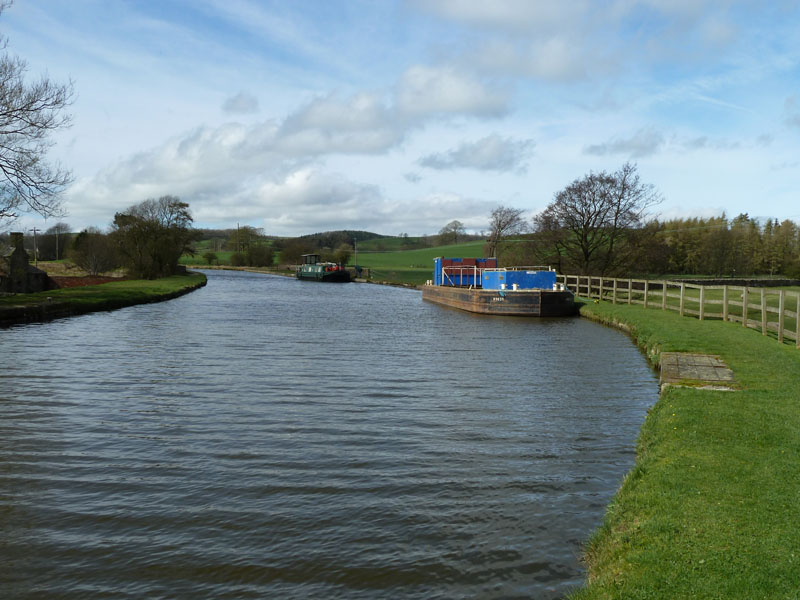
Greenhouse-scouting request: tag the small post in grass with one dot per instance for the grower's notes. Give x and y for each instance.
(646, 291)
(702, 299)
(725, 303)
(683, 295)
(763, 311)
(745, 307)
(781, 306)
(797, 323)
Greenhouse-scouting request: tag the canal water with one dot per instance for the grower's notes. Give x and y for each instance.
(269, 438)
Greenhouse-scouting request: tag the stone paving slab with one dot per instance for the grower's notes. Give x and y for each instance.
(695, 370)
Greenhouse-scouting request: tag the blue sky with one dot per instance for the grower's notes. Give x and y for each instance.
(400, 116)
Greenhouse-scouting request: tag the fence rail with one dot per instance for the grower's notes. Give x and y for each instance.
(770, 311)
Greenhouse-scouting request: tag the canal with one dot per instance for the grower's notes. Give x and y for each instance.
(270, 438)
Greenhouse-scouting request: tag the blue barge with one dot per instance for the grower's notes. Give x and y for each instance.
(478, 285)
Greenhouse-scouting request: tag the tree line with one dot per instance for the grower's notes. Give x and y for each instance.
(599, 225)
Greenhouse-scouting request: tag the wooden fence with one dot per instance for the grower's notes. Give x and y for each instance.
(768, 310)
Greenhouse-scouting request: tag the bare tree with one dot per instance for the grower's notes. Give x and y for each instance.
(505, 221)
(591, 219)
(55, 241)
(450, 232)
(29, 114)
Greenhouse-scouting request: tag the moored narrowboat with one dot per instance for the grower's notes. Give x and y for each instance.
(480, 286)
(313, 269)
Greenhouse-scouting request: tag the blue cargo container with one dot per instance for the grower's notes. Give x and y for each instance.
(460, 272)
(524, 280)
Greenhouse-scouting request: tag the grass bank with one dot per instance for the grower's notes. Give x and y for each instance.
(710, 508)
(43, 306)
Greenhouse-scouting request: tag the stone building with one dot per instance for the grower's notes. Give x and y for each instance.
(17, 276)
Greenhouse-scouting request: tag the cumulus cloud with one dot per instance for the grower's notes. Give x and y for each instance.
(307, 200)
(241, 103)
(362, 124)
(644, 142)
(492, 153)
(425, 91)
(216, 169)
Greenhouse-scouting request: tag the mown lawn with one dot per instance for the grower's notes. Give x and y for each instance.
(710, 508)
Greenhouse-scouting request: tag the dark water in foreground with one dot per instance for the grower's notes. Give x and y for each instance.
(269, 438)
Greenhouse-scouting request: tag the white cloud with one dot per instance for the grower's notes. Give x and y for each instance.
(308, 200)
(427, 91)
(362, 123)
(241, 103)
(492, 153)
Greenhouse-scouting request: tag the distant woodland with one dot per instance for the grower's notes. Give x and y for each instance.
(717, 246)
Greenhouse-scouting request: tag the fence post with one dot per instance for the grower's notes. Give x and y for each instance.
(600, 290)
(663, 295)
(745, 306)
(683, 295)
(702, 299)
(763, 311)
(781, 307)
(725, 303)
(797, 323)
(646, 291)
(614, 292)
(630, 291)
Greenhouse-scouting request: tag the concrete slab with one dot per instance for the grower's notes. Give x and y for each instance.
(695, 370)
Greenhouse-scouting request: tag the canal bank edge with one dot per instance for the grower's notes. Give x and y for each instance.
(56, 304)
(708, 510)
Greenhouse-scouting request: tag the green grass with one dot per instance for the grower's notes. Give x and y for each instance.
(413, 266)
(107, 296)
(710, 509)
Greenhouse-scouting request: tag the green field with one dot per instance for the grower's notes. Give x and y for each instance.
(710, 508)
(223, 258)
(413, 266)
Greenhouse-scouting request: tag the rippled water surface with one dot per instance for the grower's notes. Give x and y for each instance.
(269, 438)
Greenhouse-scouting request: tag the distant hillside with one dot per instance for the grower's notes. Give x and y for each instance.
(334, 239)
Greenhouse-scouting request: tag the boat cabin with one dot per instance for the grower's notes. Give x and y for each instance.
(310, 259)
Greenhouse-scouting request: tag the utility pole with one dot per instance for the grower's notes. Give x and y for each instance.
(35, 249)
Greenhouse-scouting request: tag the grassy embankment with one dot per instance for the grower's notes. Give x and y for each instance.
(413, 267)
(710, 508)
(22, 308)
(713, 303)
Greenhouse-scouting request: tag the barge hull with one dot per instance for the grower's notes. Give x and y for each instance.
(520, 303)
